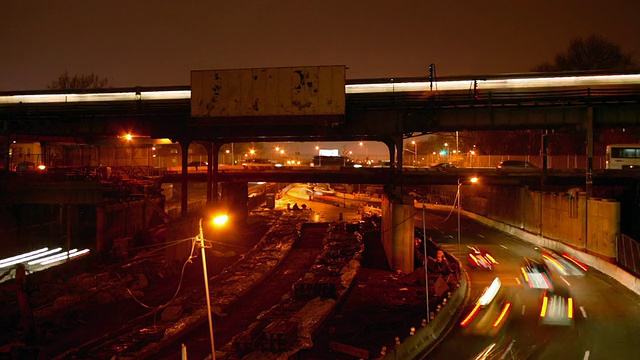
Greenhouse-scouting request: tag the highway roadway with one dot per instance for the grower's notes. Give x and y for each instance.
(607, 315)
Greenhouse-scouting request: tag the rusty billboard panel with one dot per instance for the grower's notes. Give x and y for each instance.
(310, 90)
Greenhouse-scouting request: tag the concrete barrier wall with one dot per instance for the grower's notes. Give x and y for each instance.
(603, 227)
(603, 265)
(623, 277)
(565, 217)
(122, 220)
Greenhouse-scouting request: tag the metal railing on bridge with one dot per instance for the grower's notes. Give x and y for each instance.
(480, 98)
(628, 255)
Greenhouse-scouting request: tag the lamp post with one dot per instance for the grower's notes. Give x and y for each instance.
(473, 180)
(446, 145)
(219, 221)
(426, 258)
(415, 152)
(319, 156)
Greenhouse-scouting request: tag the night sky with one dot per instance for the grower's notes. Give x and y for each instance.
(155, 43)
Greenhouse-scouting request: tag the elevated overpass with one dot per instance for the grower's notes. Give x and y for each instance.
(413, 177)
(386, 110)
(375, 109)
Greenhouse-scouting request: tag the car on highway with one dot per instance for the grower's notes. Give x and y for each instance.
(480, 259)
(557, 307)
(443, 166)
(490, 312)
(565, 264)
(536, 275)
(516, 165)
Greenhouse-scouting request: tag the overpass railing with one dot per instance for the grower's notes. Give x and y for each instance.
(628, 254)
(479, 98)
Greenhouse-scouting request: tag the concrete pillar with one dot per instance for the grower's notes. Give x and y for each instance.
(6, 146)
(184, 201)
(73, 224)
(399, 147)
(43, 154)
(235, 196)
(398, 231)
(213, 158)
(544, 140)
(215, 147)
(207, 146)
(100, 228)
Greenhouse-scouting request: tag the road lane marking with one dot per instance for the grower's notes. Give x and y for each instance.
(584, 313)
(522, 309)
(586, 355)
(504, 246)
(508, 349)
(565, 280)
(518, 280)
(481, 236)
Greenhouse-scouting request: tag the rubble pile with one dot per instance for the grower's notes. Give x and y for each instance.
(60, 306)
(225, 288)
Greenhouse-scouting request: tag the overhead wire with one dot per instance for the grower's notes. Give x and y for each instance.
(156, 308)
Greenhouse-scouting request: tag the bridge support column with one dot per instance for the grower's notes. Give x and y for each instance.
(5, 147)
(398, 230)
(212, 171)
(544, 140)
(209, 147)
(235, 196)
(184, 200)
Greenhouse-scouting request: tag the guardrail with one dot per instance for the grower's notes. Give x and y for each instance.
(424, 339)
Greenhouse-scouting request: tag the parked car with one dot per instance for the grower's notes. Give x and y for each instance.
(197, 164)
(515, 165)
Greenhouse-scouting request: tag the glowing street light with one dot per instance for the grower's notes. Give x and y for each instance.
(128, 137)
(472, 180)
(217, 221)
(415, 152)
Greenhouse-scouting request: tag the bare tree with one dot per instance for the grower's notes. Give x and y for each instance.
(79, 82)
(591, 53)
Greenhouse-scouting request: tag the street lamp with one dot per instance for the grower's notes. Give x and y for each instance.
(415, 152)
(217, 221)
(426, 258)
(446, 145)
(472, 180)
